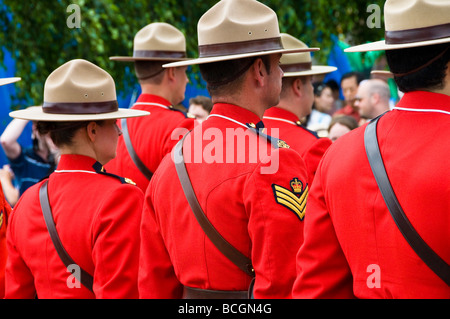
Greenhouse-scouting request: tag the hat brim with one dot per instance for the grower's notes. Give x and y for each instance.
(4, 81)
(236, 56)
(35, 113)
(133, 59)
(381, 45)
(382, 74)
(315, 70)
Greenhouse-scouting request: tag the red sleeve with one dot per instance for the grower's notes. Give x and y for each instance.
(115, 251)
(157, 279)
(19, 281)
(322, 269)
(314, 154)
(5, 210)
(276, 222)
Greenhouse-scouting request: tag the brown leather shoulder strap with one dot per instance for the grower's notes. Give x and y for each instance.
(137, 161)
(235, 256)
(425, 252)
(84, 277)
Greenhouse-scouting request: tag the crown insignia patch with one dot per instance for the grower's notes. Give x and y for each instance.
(294, 200)
(129, 181)
(282, 144)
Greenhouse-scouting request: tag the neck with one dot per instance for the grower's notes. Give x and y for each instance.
(380, 108)
(43, 153)
(81, 145)
(446, 88)
(293, 107)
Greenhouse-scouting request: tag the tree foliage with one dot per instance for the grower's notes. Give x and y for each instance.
(37, 35)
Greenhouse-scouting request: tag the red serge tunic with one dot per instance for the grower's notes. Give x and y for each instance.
(97, 219)
(246, 200)
(310, 147)
(352, 245)
(5, 210)
(151, 137)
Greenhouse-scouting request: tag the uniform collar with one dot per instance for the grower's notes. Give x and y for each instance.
(280, 113)
(146, 98)
(425, 100)
(237, 113)
(78, 162)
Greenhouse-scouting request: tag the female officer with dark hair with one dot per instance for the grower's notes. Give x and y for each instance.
(96, 214)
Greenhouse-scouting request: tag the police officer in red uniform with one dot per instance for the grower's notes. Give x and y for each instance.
(5, 210)
(296, 100)
(146, 140)
(353, 247)
(93, 215)
(253, 194)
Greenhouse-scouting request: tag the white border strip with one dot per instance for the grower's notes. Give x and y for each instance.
(421, 110)
(227, 118)
(278, 119)
(74, 171)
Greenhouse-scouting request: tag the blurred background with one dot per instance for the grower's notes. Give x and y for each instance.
(36, 39)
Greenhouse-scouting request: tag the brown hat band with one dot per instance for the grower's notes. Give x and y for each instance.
(417, 35)
(80, 108)
(298, 67)
(222, 49)
(158, 54)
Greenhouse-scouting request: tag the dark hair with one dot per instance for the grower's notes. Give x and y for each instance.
(358, 76)
(204, 101)
(333, 85)
(149, 71)
(319, 87)
(429, 77)
(346, 120)
(62, 133)
(224, 76)
(288, 81)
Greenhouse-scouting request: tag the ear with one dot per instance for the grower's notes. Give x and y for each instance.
(170, 73)
(297, 87)
(91, 130)
(259, 72)
(375, 98)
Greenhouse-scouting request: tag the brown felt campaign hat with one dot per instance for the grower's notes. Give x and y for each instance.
(78, 91)
(158, 41)
(299, 64)
(235, 29)
(412, 23)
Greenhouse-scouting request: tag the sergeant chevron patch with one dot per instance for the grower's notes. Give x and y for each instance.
(294, 201)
